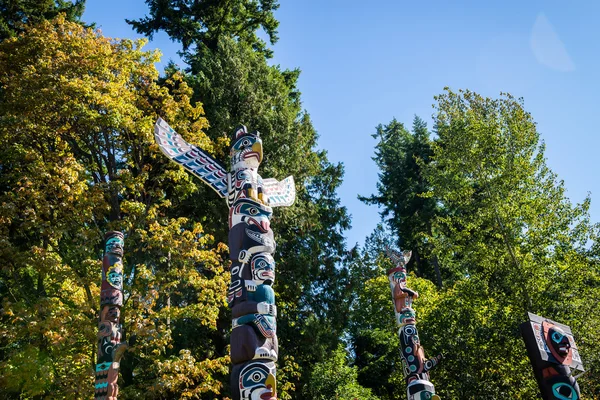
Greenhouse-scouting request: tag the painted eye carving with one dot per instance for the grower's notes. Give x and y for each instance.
(257, 376)
(557, 336)
(246, 143)
(253, 211)
(254, 377)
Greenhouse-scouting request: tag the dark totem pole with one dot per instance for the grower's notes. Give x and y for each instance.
(110, 331)
(552, 352)
(414, 364)
(250, 199)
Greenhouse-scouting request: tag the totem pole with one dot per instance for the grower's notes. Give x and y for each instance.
(552, 352)
(111, 345)
(414, 364)
(250, 199)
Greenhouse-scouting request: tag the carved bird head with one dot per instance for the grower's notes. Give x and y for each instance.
(247, 151)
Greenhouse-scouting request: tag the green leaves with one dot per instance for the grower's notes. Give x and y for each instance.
(203, 23)
(506, 237)
(77, 158)
(333, 379)
(15, 15)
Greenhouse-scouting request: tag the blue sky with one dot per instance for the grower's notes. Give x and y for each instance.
(364, 63)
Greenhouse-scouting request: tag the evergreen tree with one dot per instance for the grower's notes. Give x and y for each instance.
(198, 24)
(229, 73)
(401, 156)
(16, 14)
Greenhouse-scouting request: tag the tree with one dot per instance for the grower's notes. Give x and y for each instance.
(229, 73)
(77, 158)
(15, 15)
(508, 224)
(513, 241)
(198, 24)
(333, 379)
(401, 156)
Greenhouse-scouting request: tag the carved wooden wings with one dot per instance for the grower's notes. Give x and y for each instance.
(210, 171)
(280, 193)
(195, 160)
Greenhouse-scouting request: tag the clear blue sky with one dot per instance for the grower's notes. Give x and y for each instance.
(364, 63)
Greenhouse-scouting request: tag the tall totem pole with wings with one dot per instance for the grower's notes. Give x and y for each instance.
(251, 199)
(414, 364)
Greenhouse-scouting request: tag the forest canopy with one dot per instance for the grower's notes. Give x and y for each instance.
(492, 232)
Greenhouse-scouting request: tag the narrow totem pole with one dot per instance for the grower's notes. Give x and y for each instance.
(414, 364)
(552, 352)
(111, 345)
(250, 199)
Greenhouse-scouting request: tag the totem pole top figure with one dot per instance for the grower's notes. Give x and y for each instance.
(414, 364)
(254, 345)
(245, 157)
(553, 353)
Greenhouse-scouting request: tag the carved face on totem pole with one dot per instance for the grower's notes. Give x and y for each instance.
(257, 381)
(254, 345)
(262, 268)
(247, 151)
(421, 390)
(114, 275)
(554, 357)
(251, 213)
(558, 341)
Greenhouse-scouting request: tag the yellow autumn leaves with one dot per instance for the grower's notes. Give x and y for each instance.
(77, 159)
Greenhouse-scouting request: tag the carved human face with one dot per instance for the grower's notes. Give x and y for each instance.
(421, 390)
(113, 314)
(398, 276)
(559, 341)
(406, 316)
(115, 275)
(263, 268)
(257, 381)
(114, 245)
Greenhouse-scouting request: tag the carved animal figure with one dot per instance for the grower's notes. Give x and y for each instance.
(414, 364)
(254, 345)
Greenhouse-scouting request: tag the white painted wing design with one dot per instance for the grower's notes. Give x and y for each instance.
(195, 160)
(280, 193)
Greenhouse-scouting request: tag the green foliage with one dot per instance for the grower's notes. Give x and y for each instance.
(400, 156)
(512, 240)
(334, 379)
(196, 24)
(232, 79)
(77, 158)
(16, 14)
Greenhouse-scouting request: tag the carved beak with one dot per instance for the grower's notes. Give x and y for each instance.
(271, 384)
(257, 148)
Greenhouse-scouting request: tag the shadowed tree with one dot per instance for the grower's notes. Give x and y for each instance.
(16, 14)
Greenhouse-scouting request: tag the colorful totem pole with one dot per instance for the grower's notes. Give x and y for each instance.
(552, 352)
(415, 366)
(250, 199)
(111, 345)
